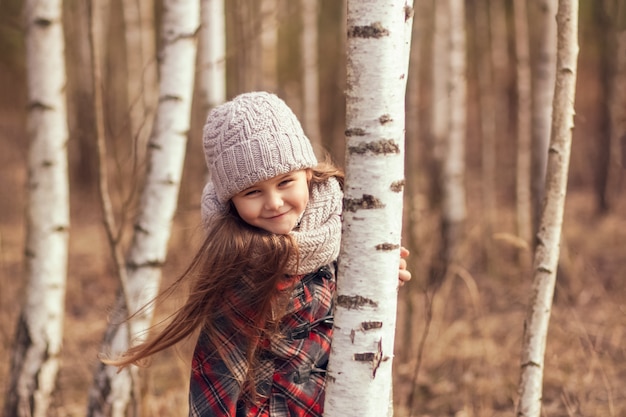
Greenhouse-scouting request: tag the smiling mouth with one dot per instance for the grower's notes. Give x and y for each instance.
(276, 216)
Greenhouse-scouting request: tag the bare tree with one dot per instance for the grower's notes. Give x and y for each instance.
(141, 65)
(213, 52)
(549, 236)
(439, 122)
(523, 173)
(543, 75)
(454, 210)
(487, 110)
(310, 73)
(451, 123)
(113, 393)
(365, 310)
(267, 43)
(39, 335)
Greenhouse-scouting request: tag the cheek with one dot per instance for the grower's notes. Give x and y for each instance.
(244, 209)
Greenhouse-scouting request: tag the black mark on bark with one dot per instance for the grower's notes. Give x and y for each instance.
(355, 301)
(367, 202)
(408, 13)
(397, 186)
(369, 325)
(365, 357)
(374, 30)
(357, 131)
(385, 118)
(383, 146)
(386, 247)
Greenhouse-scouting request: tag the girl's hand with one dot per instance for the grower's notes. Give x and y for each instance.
(404, 274)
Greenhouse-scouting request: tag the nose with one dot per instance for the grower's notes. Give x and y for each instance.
(273, 201)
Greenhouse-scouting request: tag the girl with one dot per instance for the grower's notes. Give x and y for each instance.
(262, 284)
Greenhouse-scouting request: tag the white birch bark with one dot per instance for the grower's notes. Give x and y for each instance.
(547, 250)
(268, 44)
(359, 371)
(441, 100)
(523, 168)
(158, 202)
(310, 73)
(141, 65)
(543, 77)
(454, 209)
(35, 361)
(213, 52)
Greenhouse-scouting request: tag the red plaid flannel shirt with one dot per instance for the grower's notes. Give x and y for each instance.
(291, 372)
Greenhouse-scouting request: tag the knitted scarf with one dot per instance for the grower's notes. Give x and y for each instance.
(318, 234)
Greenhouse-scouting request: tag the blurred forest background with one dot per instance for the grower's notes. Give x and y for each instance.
(458, 341)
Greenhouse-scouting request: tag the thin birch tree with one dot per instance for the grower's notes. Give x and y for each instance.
(310, 73)
(359, 370)
(543, 73)
(439, 122)
(213, 52)
(487, 110)
(454, 209)
(268, 41)
(549, 236)
(500, 64)
(36, 354)
(523, 173)
(604, 43)
(439, 117)
(112, 393)
(141, 65)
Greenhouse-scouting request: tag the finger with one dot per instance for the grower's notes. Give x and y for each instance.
(404, 252)
(402, 263)
(404, 275)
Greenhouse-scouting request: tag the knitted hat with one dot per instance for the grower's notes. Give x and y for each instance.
(252, 138)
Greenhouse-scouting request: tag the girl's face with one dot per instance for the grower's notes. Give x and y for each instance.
(275, 205)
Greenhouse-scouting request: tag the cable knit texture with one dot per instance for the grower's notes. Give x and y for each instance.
(252, 138)
(256, 137)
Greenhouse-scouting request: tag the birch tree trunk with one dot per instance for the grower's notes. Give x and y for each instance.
(268, 41)
(213, 53)
(439, 123)
(543, 78)
(454, 209)
(523, 171)
(487, 110)
(359, 371)
(440, 117)
(499, 33)
(604, 45)
(141, 67)
(112, 392)
(35, 360)
(310, 73)
(547, 251)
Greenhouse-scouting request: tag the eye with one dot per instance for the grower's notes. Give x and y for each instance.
(250, 193)
(285, 181)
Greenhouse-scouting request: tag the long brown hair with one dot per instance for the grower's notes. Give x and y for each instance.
(232, 255)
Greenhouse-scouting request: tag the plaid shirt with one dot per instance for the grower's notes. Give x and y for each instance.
(291, 370)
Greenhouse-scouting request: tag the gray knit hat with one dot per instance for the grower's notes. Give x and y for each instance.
(252, 138)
